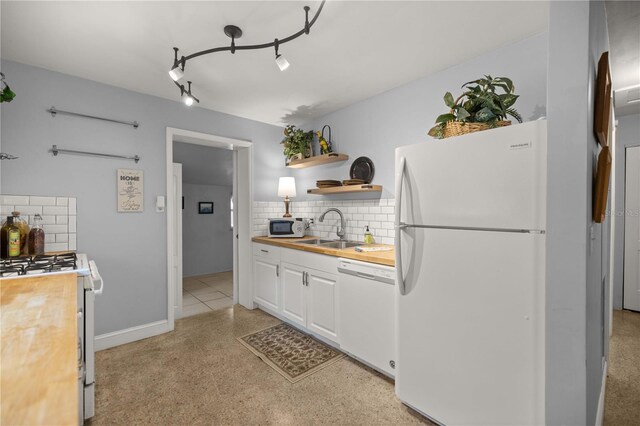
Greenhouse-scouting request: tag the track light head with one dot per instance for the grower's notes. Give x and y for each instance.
(176, 73)
(282, 62)
(188, 99)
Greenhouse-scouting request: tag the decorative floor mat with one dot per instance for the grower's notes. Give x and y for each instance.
(290, 352)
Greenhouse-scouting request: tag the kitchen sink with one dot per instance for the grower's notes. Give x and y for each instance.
(337, 244)
(341, 244)
(315, 242)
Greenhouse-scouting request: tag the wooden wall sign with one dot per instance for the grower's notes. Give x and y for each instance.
(601, 187)
(603, 101)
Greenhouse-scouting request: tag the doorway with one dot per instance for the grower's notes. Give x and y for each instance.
(205, 176)
(241, 195)
(631, 281)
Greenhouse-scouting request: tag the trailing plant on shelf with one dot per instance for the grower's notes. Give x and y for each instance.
(479, 107)
(296, 143)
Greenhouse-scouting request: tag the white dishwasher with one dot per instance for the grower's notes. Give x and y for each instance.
(367, 313)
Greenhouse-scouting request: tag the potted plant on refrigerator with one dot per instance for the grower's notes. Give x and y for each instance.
(480, 107)
(296, 143)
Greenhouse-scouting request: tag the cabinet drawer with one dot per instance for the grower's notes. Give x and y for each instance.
(266, 251)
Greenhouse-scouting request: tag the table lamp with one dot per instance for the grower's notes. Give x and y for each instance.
(286, 189)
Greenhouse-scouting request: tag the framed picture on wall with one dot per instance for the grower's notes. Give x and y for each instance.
(205, 207)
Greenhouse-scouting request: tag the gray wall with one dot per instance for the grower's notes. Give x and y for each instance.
(576, 261)
(130, 249)
(627, 134)
(403, 116)
(207, 239)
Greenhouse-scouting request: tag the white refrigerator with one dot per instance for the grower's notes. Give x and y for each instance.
(470, 264)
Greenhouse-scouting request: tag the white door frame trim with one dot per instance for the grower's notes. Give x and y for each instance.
(215, 142)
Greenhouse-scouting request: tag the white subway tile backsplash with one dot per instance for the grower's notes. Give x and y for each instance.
(42, 201)
(56, 246)
(14, 199)
(28, 210)
(54, 210)
(48, 220)
(55, 229)
(377, 214)
(59, 227)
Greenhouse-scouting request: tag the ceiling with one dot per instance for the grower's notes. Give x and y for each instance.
(356, 49)
(204, 165)
(623, 21)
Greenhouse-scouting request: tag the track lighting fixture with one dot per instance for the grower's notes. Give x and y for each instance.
(281, 61)
(234, 33)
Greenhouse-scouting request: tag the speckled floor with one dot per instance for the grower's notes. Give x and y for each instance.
(622, 395)
(199, 374)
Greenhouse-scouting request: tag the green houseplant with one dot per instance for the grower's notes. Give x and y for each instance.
(480, 107)
(296, 143)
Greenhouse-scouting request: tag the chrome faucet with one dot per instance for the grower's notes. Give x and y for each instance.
(340, 230)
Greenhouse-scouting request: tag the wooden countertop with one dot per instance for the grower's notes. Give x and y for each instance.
(39, 356)
(380, 257)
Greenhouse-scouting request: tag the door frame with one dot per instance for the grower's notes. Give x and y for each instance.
(624, 231)
(242, 289)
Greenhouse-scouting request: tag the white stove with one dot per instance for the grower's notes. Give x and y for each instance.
(90, 284)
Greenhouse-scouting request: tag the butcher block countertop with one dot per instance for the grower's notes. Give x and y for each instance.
(380, 257)
(39, 356)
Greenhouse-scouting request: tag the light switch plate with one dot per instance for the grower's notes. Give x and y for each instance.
(160, 205)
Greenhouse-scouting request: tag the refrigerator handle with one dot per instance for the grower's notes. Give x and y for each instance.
(399, 226)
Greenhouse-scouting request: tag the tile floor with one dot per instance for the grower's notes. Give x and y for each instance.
(622, 395)
(199, 374)
(206, 293)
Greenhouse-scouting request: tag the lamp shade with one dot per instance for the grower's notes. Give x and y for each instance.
(287, 187)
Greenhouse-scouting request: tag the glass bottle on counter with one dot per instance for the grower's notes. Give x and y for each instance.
(4, 237)
(9, 239)
(21, 224)
(36, 236)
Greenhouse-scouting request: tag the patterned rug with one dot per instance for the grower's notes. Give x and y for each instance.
(290, 352)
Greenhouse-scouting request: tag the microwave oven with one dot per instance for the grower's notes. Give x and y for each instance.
(293, 227)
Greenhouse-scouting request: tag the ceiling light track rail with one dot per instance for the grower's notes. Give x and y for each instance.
(53, 111)
(234, 32)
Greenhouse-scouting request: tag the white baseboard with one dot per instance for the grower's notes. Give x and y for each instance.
(600, 412)
(128, 335)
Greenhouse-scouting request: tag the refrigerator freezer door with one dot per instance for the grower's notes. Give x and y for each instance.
(490, 179)
(470, 329)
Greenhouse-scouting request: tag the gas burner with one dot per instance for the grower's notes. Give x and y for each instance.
(39, 264)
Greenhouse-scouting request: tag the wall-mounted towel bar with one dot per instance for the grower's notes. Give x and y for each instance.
(55, 111)
(55, 150)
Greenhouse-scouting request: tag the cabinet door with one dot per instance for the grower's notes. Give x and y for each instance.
(265, 273)
(293, 293)
(322, 297)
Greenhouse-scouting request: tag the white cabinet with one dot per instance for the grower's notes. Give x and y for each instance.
(309, 298)
(293, 293)
(266, 273)
(322, 301)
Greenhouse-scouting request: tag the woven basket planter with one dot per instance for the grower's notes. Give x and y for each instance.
(457, 128)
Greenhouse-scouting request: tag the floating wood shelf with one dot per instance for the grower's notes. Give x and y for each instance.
(318, 160)
(345, 189)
